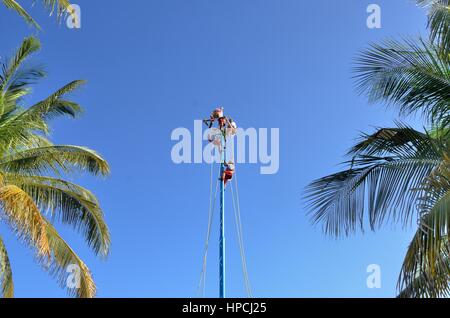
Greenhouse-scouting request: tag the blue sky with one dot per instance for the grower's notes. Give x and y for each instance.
(153, 66)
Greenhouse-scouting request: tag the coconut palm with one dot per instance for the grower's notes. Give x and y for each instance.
(55, 6)
(400, 174)
(33, 192)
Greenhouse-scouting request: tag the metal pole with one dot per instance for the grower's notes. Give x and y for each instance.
(222, 223)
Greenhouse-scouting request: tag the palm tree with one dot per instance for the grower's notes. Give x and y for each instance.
(394, 175)
(31, 177)
(55, 6)
(400, 174)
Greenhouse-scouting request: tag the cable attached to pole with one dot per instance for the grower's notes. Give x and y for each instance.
(212, 203)
(238, 223)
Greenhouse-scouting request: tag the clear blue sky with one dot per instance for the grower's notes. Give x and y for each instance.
(153, 66)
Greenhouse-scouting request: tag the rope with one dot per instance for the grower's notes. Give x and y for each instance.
(238, 223)
(212, 203)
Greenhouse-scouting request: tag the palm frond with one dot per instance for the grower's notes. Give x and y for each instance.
(424, 284)
(52, 251)
(381, 180)
(59, 7)
(55, 105)
(6, 279)
(427, 256)
(70, 203)
(18, 126)
(417, 278)
(438, 22)
(400, 141)
(55, 159)
(62, 257)
(14, 5)
(25, 218)
(27, 157)
(411, 75)
(29, 46)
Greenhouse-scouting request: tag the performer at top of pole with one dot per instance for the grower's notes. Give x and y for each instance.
(225, 124)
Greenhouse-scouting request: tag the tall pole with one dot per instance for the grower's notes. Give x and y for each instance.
(222, 220)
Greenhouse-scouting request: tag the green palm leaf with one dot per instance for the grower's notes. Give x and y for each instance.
(29, 46)
(32, 172)
(411, 75)
(54, 159)
(15, 125)
(385, 169)
(398, 173)
(438, 21)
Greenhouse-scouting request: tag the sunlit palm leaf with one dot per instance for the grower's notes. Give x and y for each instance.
(54, 6)
(57, 6)
(28, 159)
(29, 46)
(55, 105)
(16, 126)
(54, 159)
(24, 217)
(62, 257)
(7, 285)
(14, 5)
(69, 203)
